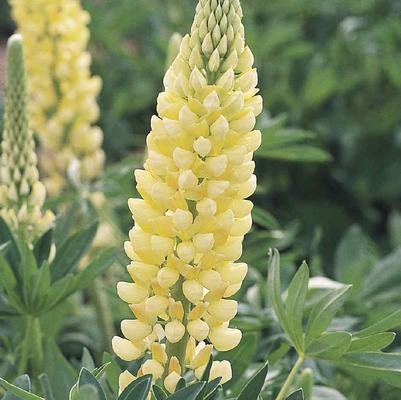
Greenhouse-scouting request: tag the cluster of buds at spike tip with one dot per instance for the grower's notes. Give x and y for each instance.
(62, 90)
(193, 215)
(21, 193)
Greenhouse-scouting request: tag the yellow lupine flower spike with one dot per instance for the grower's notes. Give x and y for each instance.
(21, 193)
(193, 215)
(62, 90)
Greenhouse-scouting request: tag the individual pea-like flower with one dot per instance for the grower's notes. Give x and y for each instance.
(21, 193)
(193, 215)
(62, 90)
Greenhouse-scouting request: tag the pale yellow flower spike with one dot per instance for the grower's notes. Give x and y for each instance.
(62, 91)
(21, 193)
(191, 220)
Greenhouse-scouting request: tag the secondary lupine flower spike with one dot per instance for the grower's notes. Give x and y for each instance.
(62, 90)
(193, 215)
(21, 193)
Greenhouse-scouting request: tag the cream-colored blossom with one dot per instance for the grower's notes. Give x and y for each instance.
(62, 90)
(22, 195)
(193, 215)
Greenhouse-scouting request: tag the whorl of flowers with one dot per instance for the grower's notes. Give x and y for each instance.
(62, 90)
(21, 193)
(191, 220)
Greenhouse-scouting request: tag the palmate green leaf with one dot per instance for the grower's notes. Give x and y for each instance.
(188, 393)
(254, 386)
(374, 365)
(323, 312)
(297, 395)
(138, 389)
(390, 321)
(373, 342)
(71, 252)
(330, 345)
(240, 357)
(20, 393)
(294, 305)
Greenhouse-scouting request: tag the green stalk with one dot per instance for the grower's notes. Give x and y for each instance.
(284, 390)
(32, 349)
(103, 313)
(179, 349)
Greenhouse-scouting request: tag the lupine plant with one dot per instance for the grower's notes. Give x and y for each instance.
(62, 90)
(190, 222)
(37, 255)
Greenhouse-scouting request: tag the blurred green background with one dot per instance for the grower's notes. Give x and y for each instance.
(331, 68)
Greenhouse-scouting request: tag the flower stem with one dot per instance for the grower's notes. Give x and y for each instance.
(179, 349)
(103, 312)
(32, 349)
(284, 390)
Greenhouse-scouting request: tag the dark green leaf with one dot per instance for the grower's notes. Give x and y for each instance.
(138, 389)
(13, 256)
(71, 252)
(86, 378)
(295, 303)
(87, 360)
(113, 371)
(95, 268)
(240, 357)
(23, 382)
(211, 387)
(254, 386)
(189, 392)
(42, 247)
(20, 393)
(297, 395)
(61, 374)
(274, 286)
(159, 393)
(46, 387)
(296, 153)
(264, 219)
